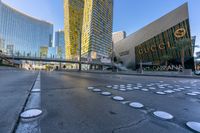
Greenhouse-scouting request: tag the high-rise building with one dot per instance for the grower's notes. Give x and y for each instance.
(97, 28)
(94, 27)
(21, 34)
(60, 43)
(50, 52)
(118, 36)
(73, 15)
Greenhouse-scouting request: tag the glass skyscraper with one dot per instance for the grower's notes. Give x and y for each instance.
(92, 22)
(73, 12)
(21, 34)
(60, 43)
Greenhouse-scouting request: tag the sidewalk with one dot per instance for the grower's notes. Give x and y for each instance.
(6, 68)
(14, 90)
(149, 73)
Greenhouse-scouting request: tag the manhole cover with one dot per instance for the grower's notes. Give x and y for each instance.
(106, 93)
(163, 115)
(161, 93)
(136, 105)
(118, 98)
(194, 126)
(31, 113)
(97, 90)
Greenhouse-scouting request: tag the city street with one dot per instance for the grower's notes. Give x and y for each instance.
(99, 66)
(73, 103)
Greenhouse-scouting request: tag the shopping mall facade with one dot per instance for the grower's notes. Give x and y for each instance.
(149, 45)
(21, 34)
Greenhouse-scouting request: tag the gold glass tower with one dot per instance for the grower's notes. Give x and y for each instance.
(95, 22)
(73, 15)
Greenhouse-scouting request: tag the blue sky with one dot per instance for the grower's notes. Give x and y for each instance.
(129, 15)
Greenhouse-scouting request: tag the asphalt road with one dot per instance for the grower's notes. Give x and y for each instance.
(14, 89)
(69, 107)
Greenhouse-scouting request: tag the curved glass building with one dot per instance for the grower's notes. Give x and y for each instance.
(21, 34)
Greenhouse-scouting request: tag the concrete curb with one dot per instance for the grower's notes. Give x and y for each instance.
(16, 121)
(156, 75)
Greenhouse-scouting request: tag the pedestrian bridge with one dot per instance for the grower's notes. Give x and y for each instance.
(84, 61)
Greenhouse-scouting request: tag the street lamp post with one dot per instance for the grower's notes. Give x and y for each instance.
(112, 57)
(79, 32)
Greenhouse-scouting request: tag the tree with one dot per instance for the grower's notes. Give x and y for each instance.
(182, 45)
(166, 57)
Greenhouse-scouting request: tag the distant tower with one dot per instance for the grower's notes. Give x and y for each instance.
(60, 43)
(118, 36)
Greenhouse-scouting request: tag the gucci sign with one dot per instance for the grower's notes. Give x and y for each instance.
(180, 33)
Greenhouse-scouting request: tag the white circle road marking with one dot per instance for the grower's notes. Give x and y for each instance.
(194, 125)
(90, 88)
(118, 98)
(136, 105)
(163, 115)
(106, 93)
(35, 90)
(161, 93)
(144, 89)
(31, 113)
(96, 90)
(191, 94)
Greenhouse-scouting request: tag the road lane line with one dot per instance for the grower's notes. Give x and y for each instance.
(30, 117)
